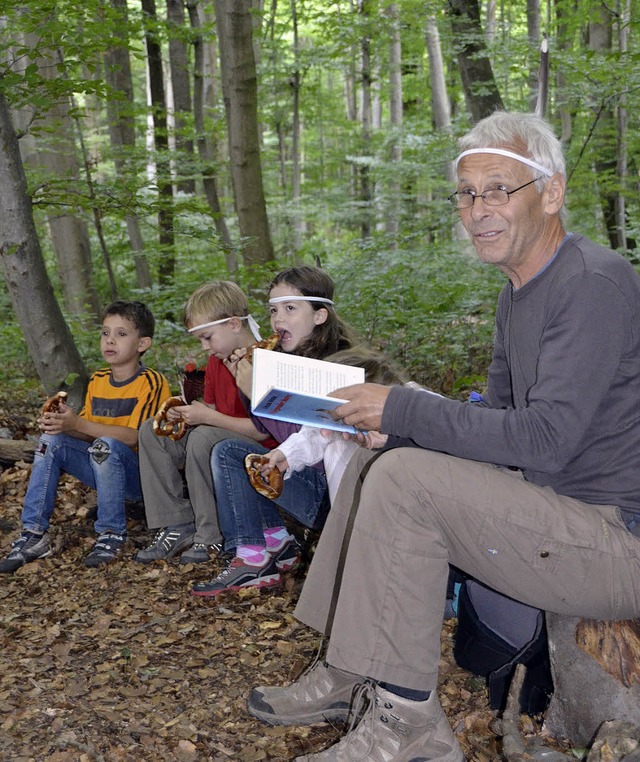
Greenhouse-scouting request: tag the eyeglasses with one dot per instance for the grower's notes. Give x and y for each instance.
(493, 197)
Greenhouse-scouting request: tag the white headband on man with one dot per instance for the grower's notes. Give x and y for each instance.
(253, 326)
(278, 299)
(509, 154)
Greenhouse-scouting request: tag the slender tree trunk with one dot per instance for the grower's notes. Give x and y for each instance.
(296, 172)
(122, 128)
(480, 89)
(48, 338)
(366, 193)
(239, 86)
(166, 235)
(395, 119)
(204, 101)
(181, 91)
(533, 35)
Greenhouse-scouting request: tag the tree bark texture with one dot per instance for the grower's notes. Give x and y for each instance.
(48, 338)
(166, 236)
(240, 91)
(122, 129)
(596, 675)
(181, 90)
(204, 99)
(480, 89)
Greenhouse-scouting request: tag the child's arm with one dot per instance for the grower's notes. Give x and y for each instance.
(201, 413)
(67, 422)
(304, 448)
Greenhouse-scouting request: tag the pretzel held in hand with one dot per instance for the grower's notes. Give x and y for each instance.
(53, 404)
(269, 343)
(270, 484)
(163, 427)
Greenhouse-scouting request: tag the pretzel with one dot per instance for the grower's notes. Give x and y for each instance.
(270, 343)
(269, 485)
(53, 404)
(163, 427)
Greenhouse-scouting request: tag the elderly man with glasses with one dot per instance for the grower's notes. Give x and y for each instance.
(534, 490)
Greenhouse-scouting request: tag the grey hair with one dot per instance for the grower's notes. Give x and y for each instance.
(520, 132)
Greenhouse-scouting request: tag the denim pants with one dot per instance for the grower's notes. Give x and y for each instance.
(106, 464)
(378, 579)
(243, 513)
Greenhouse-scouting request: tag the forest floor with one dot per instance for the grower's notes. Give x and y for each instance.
(121, 663)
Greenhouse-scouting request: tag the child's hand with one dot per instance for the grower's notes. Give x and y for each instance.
(58, 423)
(192, 415)
(275, 459)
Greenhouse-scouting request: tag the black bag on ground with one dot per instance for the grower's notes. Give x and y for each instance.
(496, 633)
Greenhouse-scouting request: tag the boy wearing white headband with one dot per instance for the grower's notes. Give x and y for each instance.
(217, 314)
(534, 490)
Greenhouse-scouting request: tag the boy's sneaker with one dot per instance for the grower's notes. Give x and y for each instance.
(287, 555)
(321, 694)
(108, 547)
(238, 575)
(28, 547)
(167, 543)
(198, 553)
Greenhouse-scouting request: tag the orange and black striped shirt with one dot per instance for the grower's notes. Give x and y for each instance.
(124, 403)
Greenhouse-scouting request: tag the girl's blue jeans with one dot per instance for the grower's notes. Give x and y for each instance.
(244, 514)
(106, 464)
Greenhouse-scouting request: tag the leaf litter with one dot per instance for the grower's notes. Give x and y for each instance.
(122, 664)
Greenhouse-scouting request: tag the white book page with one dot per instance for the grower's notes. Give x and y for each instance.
(278, 370)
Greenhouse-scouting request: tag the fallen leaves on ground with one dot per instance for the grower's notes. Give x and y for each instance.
(122, 664)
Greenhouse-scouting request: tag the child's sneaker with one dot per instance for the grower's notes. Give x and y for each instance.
(167, 543)
(108, 547)
(288, 555)
(28, 547)
(238, 575)
(198, 553)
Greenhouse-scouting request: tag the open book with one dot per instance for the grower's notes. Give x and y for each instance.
(294, 389)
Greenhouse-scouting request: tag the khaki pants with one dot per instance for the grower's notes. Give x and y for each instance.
(161, 461)
(402, 516)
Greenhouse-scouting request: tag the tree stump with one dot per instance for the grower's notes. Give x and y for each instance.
(596, 675)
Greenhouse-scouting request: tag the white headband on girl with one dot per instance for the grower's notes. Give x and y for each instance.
(278, 299)
(509, 155)
(253, 326)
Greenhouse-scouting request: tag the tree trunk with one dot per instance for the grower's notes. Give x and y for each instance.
(366, 192)
(395, 118)
(296, 161)
(181, 91)
(166, 235)
(591, 662)
(239, 86)
(480, 89)
(122, 128)
(203, 101)
(533, 35)
(56, 155)
(48, 338)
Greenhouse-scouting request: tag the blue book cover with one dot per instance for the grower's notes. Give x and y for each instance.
(304, 409)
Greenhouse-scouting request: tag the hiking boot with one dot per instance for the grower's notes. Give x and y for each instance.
(394, 729)
(198, 553)
(320, 694)
(28, 547)
(167, 543)
(287, 555)
(107, 548)
(238, 575)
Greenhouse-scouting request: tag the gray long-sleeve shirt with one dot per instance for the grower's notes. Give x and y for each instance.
(563, 395)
